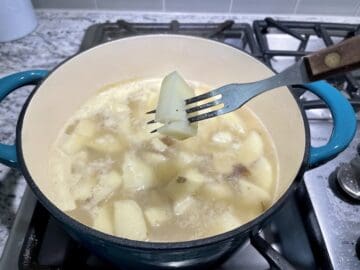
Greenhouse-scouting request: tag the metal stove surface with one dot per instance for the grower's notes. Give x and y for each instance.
(334, 218)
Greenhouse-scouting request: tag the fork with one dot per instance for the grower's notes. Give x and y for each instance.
(344, 56)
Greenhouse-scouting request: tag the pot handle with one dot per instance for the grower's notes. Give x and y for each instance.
(344, 122)
(8, 84)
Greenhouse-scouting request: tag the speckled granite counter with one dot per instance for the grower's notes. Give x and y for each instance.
(58, 36)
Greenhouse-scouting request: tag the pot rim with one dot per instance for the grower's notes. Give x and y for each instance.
(253, 225)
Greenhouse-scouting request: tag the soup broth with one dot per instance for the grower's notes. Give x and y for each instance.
(110, 173)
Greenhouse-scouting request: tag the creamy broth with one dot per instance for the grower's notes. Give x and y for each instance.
(112, 174)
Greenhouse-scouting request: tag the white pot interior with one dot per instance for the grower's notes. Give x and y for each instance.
(203, 60)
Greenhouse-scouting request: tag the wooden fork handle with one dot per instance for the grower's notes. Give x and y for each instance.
(339, 58)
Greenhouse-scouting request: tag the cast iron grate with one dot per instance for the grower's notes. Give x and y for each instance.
(239, 35)
(305, 37)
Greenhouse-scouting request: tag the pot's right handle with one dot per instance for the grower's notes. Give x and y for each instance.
(344, 120)
(8, 84)
(274, 258)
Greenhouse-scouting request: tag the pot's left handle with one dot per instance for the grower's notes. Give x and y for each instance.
(8, 84)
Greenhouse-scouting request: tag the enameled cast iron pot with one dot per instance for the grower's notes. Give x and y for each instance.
(60, 93)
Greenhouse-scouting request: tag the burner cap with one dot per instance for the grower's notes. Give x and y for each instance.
(348, 177)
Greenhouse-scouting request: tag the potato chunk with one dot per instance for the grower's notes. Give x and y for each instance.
(225, 222)
(252, 149)
(182, 205)
(74, 143)
(158, 145)
(106, 185)
(252, 200)
(103, 220)
(137, 174)
(185, 184)
(171, 109)
(83, 189)
(222, 137)
(86, 128)
(251, 193)
(235, 123)
(107, 143)
(61, 179)
(129, 220)
(63, 198)
(179, 130)
(216, 191)
(83, 132)
(153, 158)
(157, 215)
(171, 105)
(224, 162)
(262, 173)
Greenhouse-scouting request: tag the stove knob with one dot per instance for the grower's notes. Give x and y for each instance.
(348, 177)
(355, 163)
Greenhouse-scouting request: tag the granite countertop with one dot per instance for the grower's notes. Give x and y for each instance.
(58, 36)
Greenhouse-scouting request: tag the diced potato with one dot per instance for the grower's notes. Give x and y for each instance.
(252, 200)
(235, 122)
(216, 191)
(224, 163)
(252, 192)
(185, 184)
(222, 137)
(154, 198)
(106, 185)
(185, 158)
(158, 145)
(103, 220)
(74, 143)
(179, 130)
(137, 174)
(60, 182)
(262, 173)
(171, 109)
(86, 128)
(165, 169)
(129, 220)
(157, 215)
(153, 158)
(225, 222)
(252, 149)
(171, 105)
(83, 189)
(106, 144)
(80, 161)
(62, 197)
(182, 205)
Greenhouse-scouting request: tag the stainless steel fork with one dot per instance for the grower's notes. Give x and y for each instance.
(338, 58)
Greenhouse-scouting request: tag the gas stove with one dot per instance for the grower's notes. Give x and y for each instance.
(319, 226)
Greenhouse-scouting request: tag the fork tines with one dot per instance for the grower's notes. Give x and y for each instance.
(193, 109)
